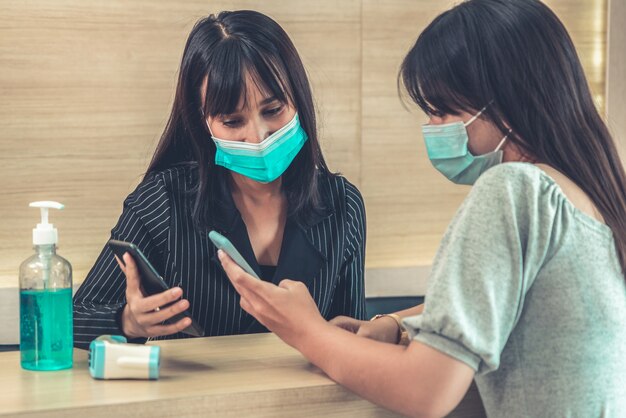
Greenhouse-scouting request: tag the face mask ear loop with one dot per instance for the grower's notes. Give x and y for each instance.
(206, 121)
(502, 142)
(480, 112)
(209, 127)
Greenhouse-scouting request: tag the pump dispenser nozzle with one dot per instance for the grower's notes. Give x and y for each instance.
(45, 233)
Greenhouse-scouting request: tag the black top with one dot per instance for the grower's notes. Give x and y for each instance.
(267, 272)
(327, 255)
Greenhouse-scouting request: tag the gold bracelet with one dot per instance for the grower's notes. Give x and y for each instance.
(402, 333)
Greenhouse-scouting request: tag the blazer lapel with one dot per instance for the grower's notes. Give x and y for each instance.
(233, 228)
(301, 258)
(302, 254)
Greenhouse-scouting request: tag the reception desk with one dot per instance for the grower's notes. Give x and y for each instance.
(240, 376)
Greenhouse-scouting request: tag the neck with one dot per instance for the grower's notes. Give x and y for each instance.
(253, 190)
(512, 152)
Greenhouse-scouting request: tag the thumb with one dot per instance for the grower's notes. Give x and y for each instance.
(230, 267)
(287, 283)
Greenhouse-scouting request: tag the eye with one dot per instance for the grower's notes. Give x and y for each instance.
(273, 111)
(232, 123)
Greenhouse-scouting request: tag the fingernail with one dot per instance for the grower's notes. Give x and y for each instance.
(220, 254)
(177, 291)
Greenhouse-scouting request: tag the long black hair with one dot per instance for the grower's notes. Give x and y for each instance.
(222, 49)
(518, 54)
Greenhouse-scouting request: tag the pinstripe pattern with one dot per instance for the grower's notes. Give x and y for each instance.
(327, 255)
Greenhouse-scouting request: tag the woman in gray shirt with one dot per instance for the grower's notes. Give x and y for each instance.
(527, 293)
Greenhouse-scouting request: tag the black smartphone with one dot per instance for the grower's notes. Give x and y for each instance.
(151, 281)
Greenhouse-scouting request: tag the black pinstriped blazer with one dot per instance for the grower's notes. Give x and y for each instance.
(327, 255)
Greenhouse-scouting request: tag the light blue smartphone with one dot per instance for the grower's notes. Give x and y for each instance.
(225, 245)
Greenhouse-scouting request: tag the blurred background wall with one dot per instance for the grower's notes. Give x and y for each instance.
(86, 88)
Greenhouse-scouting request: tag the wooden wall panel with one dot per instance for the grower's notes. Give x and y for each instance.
(616, 73)
(86, 90)
(409, 203)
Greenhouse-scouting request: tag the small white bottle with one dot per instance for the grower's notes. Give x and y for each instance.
(46, 328)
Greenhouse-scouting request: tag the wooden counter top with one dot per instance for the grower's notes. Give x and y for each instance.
(248, 375)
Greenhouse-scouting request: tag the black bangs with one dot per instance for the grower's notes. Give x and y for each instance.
(437, 70)
(222, 54)
(226, 85)
(518, 55)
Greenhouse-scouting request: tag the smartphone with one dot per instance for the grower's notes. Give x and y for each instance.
(152, 282)
(222, 243)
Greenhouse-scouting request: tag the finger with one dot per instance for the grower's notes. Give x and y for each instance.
(151, 303)
(344, 322)
(253, 309)
(341, 320)
(245, 305)
(159, 330)
(364, 332)
(238, 277)
(133, 281)
(287, 283)
(157, 317)
(119, 263)
(293, 285)
(337, 320)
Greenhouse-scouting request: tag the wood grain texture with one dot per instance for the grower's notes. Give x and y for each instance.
(251, 375)
(616, 73)
(87, 86)
(409, 203)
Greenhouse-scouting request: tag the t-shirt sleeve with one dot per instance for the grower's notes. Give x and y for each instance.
(486, 263)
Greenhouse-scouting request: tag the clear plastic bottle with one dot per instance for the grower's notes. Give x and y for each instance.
(46, 330)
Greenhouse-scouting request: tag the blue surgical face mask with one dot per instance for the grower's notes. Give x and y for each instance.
(266, 160)
(447, 149)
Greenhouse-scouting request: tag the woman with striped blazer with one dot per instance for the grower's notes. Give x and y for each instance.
(239, 155)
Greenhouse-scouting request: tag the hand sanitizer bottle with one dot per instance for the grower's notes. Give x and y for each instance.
(46, 334)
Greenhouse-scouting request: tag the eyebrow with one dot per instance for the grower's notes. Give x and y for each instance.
(263, 102)
(268, 100)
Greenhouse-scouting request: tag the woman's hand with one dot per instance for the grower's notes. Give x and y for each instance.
(288, 309)
(383, 329)
(143, 316)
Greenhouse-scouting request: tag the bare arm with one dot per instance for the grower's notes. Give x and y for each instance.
(416, 380)
(383, 329)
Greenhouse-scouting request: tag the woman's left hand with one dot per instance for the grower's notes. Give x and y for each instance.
(288, 309)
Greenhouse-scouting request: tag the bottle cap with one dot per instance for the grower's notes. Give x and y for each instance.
(45, 233)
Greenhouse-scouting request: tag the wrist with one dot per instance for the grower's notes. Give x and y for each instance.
(402, 335)
(124, 320)
(309, 340)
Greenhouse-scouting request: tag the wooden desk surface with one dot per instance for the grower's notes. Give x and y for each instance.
(248, 375)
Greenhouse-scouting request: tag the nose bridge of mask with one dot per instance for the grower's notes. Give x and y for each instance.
(256, 159)
(283, 142)
(260, 147)
(266, 161)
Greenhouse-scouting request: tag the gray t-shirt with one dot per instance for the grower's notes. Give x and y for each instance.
(528, 291)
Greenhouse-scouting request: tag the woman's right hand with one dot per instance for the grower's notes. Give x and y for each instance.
(143, 316)
(383, 329)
